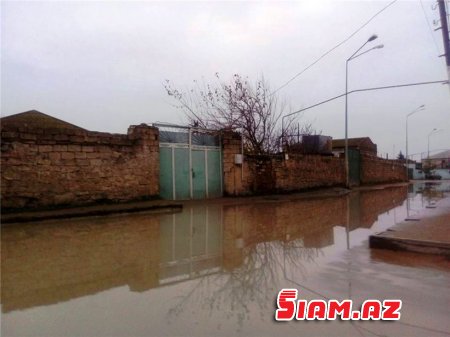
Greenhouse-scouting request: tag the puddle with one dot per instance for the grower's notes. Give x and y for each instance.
(213, 269)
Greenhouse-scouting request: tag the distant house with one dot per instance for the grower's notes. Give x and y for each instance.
(363, 145)
(439, 160)
(34, 119)
(438, 164)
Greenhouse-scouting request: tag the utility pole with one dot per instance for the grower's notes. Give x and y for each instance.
(445, 34)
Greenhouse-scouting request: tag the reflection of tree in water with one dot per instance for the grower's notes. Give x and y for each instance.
(256, 281)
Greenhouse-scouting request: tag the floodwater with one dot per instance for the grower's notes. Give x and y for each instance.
(215, 269)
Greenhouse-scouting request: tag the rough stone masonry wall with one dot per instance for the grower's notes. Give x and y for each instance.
(376, 170)
(51, 167)
(278, 173)
(309, 171)
(237, 179)
(275, 174)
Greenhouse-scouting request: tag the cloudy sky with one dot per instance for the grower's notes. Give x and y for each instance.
(102, 65)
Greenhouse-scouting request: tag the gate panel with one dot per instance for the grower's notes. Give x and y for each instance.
(198, 174)
(190, 163)
(214, 174)
(354, 167)
(182, 187)
(165, 173)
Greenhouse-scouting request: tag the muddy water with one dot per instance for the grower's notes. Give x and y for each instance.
(215, 269)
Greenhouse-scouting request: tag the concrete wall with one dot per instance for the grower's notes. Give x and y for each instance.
(48, 167)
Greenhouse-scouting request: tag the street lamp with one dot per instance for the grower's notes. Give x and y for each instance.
(432, 132)
(422, 107)
(354, 55)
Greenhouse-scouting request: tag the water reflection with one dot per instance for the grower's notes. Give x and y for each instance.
(243, 248)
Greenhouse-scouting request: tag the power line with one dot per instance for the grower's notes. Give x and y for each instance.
(336, 46)
(365, 89)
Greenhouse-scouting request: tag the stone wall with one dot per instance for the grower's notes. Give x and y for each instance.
(44, 167)
(277, 174)
(237, 179)
(51, 167)
(294, 172)
(302, 172)
(376, 170)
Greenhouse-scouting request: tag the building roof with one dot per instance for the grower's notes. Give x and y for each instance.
(352, 142)
(36, 120)
(441, 155)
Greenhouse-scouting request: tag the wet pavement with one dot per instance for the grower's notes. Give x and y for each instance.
(215, 269)
(427, 231)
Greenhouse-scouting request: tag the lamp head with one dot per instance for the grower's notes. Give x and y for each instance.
(373, 37)
(379, 46)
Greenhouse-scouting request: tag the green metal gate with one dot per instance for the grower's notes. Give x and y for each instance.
(354, 167)
(190, 162)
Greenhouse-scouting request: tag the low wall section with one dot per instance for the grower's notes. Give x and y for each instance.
(52, 167)
(376, 170)
(293, 172)
(48, 167)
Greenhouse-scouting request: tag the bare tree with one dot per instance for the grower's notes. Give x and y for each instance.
(249, 108)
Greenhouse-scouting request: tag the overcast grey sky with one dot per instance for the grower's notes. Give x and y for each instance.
(102, 65)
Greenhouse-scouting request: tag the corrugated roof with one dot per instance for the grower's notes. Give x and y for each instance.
(36, 120)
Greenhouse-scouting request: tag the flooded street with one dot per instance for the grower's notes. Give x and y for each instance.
(215, 269)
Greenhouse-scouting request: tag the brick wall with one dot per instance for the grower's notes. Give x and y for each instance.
(376, 170)
(49, 167)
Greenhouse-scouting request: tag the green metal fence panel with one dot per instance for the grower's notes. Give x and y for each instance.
(354, 166)
(182, 184)
(198, 174)
(410, 173)
(214, 174)
(165, 173)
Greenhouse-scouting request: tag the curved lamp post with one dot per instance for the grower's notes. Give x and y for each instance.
(429, 135)
(354, 55)
(420, 108)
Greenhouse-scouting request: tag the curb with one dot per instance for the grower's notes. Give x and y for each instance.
(419, 246)
(87, 212)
